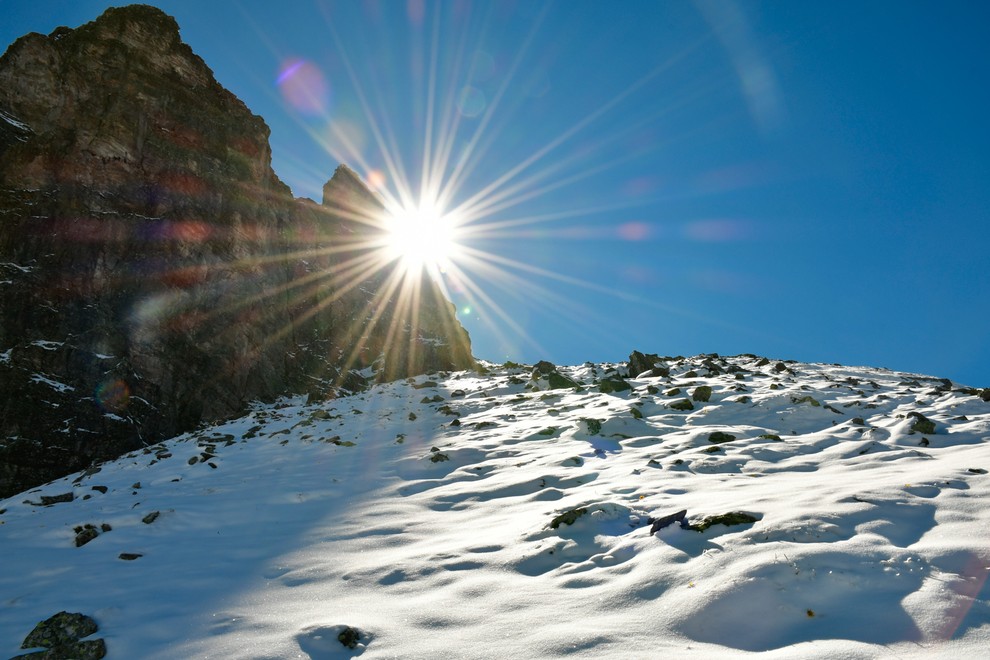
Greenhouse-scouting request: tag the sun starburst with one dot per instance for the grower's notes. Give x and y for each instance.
(423, 237)
(454, 205)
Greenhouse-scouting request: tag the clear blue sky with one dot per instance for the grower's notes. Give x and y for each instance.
(800, 180)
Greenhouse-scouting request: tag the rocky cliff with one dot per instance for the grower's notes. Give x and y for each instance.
(155, 273)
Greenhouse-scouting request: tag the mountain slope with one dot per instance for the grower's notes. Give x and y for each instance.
(489, 516)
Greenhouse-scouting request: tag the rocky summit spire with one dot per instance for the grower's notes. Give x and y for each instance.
(154, 271)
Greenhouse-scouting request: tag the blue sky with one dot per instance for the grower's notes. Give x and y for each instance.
(797, 180)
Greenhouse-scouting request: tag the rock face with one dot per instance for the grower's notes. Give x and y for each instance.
(154, 271)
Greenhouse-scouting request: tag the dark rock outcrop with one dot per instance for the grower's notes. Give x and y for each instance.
(646, 363)
(61, 637)
(154, 271)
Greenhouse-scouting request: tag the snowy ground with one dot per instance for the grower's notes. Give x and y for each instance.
(439, 540)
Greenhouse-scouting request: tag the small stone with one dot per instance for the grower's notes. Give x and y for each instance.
(594, 425)
(922, 424)
(666, 521)
(543, 368)
(439, 458)
(47, 500)
(129, 556)
(702, 393)
(568, 517)
(728, 519)
(640, 363)
(412, 417)
(560, 382)
(349, 637)
(150, 518)
(611, 385)
(719, 437)
(86, 535)
(682, 404)
(428, 383)
(100, 489)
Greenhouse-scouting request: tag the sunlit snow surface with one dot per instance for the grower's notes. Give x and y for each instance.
(870, 541)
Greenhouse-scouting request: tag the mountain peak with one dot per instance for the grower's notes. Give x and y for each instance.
(348, 196)
(146, 18)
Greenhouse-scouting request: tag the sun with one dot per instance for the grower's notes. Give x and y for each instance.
(422, 237)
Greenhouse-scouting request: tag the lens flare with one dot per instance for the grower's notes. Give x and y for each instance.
(472, 101)
(113, 395)
(376, 179)
(303, 87)
(634, 231)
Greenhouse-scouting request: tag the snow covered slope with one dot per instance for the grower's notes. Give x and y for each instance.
(477, 515)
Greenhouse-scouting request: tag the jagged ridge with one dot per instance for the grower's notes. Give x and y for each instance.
(154, 271)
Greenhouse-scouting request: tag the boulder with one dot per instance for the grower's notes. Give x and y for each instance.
(61, 635)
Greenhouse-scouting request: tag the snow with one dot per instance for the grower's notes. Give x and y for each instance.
(18, 267)
(47, 345)
(15, 122)
(54, 384)
(436, 540)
